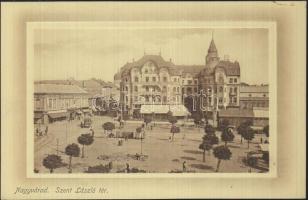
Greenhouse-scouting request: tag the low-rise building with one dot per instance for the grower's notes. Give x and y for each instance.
(258, 116)
(254, 96)
(57, 101)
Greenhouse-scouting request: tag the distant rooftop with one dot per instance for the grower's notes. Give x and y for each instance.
(254, 89)
(41, 88)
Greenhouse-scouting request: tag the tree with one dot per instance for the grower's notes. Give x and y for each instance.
(209, 129)
(266, 130)
(221, 153)
(108, 126)
(248, 134)
(251, 162)
(147, 120)
(52, 162)
(227, 135)
(223, 124)
(242, 128)
(173, 120)
(174, 129)
(197, 118)
(205, 146)
(72, 150)
(212, 138)
(85, 139)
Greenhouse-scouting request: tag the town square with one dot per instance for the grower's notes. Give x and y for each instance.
(154, 116)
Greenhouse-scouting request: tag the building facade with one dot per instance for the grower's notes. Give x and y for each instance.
(254, 96)
(58, 101)
(153, 80)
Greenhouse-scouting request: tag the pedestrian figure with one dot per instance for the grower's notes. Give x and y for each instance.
(184, 166)
(46, 130)
(169, 139)
(261, 140)
(127, 168)
(151, 127)
(37, 131)
(137, 156)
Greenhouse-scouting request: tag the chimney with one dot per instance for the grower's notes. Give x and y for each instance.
(226, 57)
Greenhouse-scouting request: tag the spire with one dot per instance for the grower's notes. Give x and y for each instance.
(212, 47)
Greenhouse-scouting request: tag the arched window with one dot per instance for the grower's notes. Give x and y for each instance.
(174, 89)
(221, 89)
(164, 88)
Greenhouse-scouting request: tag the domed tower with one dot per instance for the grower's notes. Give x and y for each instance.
(212, 54)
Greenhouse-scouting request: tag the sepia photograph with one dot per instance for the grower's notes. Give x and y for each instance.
(150, 99)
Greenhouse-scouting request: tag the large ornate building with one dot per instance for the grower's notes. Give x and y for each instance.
(151, 80)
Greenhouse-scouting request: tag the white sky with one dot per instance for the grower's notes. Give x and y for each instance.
(83, 54)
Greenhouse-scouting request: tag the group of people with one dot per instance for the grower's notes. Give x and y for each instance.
(39, 131)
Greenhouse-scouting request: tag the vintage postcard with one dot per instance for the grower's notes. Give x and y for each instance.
(134, 100)
(151, 99)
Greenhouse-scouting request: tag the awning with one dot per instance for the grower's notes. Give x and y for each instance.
(58, 115)
(38, 115)
(261, 113)
(86, 110)
(264, 147)
(177, 110)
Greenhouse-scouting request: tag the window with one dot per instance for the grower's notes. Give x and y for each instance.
(264, 95)
(220, 100)
(165, 79)
(231, 80)
(146, 71)
(178, 89)
(147, 79)
(126, 88)
(164, 99)
(153, 79)
(136, 79)
(189, 82)
(235, 90)
(174, 89)
(174, 79)
(189, 90)
(196, 82)
(147, 99)
(235, 80)
(235, 100)
(230, 90)
(126, 98)
(50, 103)
(182, 81)
(221, 89)
(147, 88)
(136, 88)
(215, 90)
(135, 98)
(195, 89)
(249, 95)
(210, 100)
(173, 99)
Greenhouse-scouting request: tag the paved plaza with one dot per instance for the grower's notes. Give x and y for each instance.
(161, 154)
